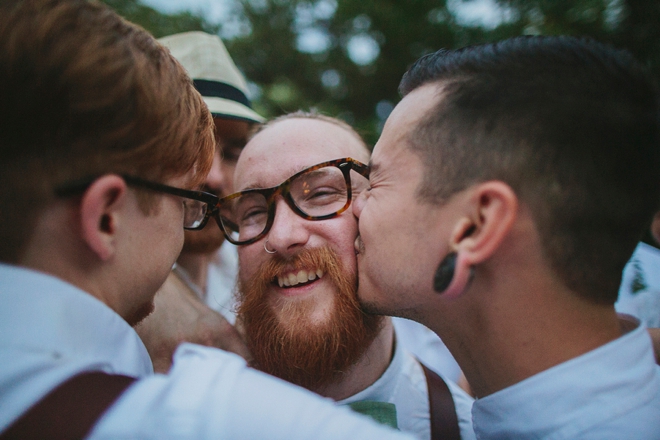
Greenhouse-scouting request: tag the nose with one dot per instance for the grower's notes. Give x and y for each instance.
(227, 186)
(289, 231)
(216, 178)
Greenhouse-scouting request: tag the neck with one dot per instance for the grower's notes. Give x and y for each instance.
(368, 369)
(503, 336)
(196, 266)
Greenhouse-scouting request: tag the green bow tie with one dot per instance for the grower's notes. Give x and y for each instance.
(382, 412)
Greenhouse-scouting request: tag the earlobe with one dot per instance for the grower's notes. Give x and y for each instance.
(99, 214)
(444, 274)
(455, 272)
(453, 275)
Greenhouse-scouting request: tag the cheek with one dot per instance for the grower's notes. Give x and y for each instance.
(170, 225)
(174, 238)
(249, 260)
(180, 239)
(341, 238)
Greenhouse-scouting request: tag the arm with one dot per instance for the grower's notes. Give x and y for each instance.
(179, 316)
(211, 394)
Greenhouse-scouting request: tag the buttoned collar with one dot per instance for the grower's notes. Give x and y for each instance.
(51, 318)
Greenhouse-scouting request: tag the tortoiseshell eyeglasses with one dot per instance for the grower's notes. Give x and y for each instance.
(320, 192)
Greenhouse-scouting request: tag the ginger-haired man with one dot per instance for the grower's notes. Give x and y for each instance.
(104, 140)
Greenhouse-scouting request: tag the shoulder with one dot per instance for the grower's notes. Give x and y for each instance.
(462, 404)
(211, 393)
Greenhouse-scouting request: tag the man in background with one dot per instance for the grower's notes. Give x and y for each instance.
(205, 272)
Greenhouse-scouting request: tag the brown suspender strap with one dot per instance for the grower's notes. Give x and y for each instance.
(71, 409)
(444, 421)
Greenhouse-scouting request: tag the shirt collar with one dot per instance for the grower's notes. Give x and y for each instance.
(563, 400)
(45, 314)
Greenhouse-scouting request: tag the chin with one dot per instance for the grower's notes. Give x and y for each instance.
(306, 313)
(138, 315)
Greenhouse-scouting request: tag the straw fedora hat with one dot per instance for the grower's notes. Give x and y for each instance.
(214, 74)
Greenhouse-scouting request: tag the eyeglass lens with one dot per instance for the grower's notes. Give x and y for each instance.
(194, 212)
(316, 193)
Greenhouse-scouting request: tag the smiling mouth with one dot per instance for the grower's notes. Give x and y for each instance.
(300, 277)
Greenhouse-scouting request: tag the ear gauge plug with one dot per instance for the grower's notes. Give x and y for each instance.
(453, 276)
(445, 273)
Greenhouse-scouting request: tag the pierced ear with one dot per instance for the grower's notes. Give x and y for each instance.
(99, 214)
(453, 275)
(494, 208)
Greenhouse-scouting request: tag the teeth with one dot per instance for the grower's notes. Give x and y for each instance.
(302, 276)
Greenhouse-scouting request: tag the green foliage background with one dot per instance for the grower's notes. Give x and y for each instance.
(287, 79)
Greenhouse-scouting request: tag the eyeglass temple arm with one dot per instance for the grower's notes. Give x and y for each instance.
(360, 168)
(221, 219)
(225, 221)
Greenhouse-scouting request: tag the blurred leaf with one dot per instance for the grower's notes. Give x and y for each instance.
(159, 24)
(266, 48)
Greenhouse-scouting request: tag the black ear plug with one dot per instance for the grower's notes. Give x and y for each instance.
(445, 272)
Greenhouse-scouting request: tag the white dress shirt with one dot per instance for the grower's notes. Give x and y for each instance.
(612, 392)
(426, 346)
(639, 294)
(404, 385)
(50, 330)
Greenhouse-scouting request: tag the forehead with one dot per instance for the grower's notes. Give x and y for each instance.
(286, 147)
(404, 119)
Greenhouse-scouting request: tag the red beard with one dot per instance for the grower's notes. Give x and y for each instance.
(287, 344)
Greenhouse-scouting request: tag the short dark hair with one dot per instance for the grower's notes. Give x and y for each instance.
(572, 125)
(85, 93)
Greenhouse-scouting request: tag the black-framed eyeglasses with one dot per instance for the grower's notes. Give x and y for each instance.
(198, 205)
(320, 192)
